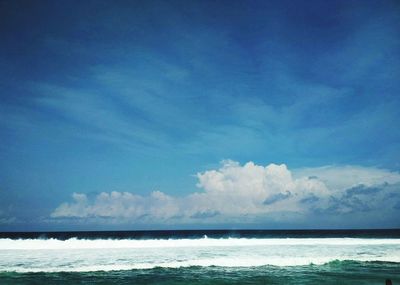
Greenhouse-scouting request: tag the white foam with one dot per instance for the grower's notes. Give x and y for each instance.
(74, 243)
(223, 262)
(75, 255)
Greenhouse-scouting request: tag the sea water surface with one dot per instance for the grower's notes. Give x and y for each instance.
(201, 257)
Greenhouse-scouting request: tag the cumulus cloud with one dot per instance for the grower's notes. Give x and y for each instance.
(119, 205)
(237, 192)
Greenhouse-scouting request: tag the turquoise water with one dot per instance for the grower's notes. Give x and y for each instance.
(336, 272)
(207, 257)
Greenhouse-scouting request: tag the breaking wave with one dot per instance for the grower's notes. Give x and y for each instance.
(86, 255)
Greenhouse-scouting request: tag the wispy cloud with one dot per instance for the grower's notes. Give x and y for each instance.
(138, 96)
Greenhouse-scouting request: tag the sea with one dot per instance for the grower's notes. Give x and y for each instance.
(201, 257)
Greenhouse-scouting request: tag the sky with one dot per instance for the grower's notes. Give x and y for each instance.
(199, 114)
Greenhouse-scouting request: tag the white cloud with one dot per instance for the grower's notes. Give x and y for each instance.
(118, 205)
(338, 178)
(236, 192)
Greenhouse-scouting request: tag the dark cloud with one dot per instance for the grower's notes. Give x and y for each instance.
(310, 199)
(362, 198)
(363, 190)
(276, 198)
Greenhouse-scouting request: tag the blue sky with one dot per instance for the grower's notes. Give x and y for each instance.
(151, 114)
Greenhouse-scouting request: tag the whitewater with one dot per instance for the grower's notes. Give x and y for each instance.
(89, 255)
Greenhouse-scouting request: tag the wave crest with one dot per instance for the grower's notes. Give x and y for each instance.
(83, 255)
(75, 243)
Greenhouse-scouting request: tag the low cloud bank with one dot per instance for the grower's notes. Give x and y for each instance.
(250, 192)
